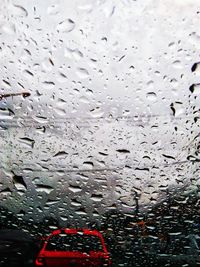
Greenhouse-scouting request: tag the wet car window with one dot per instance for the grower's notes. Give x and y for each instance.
(99, 131)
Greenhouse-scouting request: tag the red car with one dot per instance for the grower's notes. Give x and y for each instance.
(74, 248)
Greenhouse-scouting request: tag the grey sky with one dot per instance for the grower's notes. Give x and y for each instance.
(109, 84)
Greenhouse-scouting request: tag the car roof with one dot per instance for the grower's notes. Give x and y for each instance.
(76, 231)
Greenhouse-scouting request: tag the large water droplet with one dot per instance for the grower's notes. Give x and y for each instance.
(27, 142)
(44, 188)
(96, 113)
(177, 109)
(19, 183)
(196, 68)
(61, 77)
(88, 164)
(96, 197)
(195, 89)
(48, 84)
(60, 111)
(151, 96)
(61, 154)
(82, 73)
(53, 10)
(66, 26)
(19, 11)
(75, 189)
(8, 28)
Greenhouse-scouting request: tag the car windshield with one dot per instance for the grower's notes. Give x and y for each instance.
(74, 242)
(100, 126)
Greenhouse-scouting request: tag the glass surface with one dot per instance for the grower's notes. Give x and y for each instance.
(99, 128)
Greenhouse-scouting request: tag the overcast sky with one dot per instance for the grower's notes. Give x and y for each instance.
(113, 107)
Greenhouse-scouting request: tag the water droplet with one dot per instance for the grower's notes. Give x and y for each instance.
(84, 99)
(96, 112)
(96, 197)
(60, 111)
(19, 11)
(196, 68)
(75, 203)
(82, 73)
(5, 114)
(75, 189)
(61, 154)
(43, 188)
(47, 64)
(51, 202)
(77, 54)
(41, 130)
(103, 154)
(168, 156)
(177, 109)
(6, 83)
(87, 7)
(5, 192)
(48, 84)
(123, 151)
(88, 164)
(81, 211)
(40, 119)
(8, 28)
(61, 77)
(61, 102)
(28, 52)
(195, 89)
(28, 73)
(19, 183)
(27, 142)
(151, 96)
(177, 64)
(53, 10)
(194, 38)
(66, 26)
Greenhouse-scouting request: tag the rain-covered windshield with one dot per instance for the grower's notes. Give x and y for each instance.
(99, 122)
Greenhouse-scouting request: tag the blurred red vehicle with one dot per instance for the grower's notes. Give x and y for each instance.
(74, 247)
